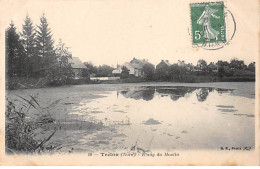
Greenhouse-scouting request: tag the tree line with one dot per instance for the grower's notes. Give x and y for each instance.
(98, 71)
(187, 72)
(183, 72)
(31, 53)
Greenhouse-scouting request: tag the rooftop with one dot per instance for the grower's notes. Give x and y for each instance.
(76, 63)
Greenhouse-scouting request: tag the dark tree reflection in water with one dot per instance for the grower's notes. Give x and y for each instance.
(148, 94)
(139, 94)
(202, 94)
(175, 93)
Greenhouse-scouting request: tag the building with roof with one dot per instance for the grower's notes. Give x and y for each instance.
(181, 63)
(77, 67)
(163, 65)
(135, 67)
(212, 67)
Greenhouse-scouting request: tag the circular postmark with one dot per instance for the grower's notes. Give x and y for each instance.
(213, 25)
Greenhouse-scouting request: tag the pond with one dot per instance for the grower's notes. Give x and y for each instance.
(151, 117)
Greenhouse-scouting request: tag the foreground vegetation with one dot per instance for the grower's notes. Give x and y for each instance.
(24, 126)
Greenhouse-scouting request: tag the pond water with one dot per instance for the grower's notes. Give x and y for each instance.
(154, 117)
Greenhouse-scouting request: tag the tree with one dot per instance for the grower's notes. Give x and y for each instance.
(223, 68)
(104, 71)
(149, 71)
(162, 74)
(221, 63)
(237, 64)
(251, 67)
(124, 73)
(91, 68)
(190, 67)
(44, 44)
(13, 52)
(175, 72)
(28, 42)
(202, 65)
(63, 55)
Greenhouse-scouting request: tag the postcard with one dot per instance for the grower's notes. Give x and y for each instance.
(129, 82)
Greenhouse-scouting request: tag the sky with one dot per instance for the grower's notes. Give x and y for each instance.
(113, 32)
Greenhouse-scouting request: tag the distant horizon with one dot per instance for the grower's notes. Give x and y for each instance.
(160, 61)
(103, 32)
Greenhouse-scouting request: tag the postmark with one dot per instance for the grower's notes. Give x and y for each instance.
(209, 25)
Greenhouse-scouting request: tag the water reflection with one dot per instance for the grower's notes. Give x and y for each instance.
(175, 92)
(202, 94)
(147, 93)
(163, 118)
(175, 115)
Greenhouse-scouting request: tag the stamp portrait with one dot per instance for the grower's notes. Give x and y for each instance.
(208, 23)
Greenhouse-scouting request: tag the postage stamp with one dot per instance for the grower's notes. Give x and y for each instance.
(208, 24)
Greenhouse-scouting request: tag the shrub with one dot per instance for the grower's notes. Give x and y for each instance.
(22, 131)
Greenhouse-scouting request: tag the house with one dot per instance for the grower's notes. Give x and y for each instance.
(77, 67)
(117, 71)
(213, 67)
(163, 65)
(181, 63)
(135, 67)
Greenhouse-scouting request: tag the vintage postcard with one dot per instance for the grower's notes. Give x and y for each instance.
(129, 82)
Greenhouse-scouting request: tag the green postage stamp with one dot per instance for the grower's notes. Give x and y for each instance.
(208, 23)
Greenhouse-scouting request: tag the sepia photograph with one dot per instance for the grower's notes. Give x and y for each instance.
(103, 82)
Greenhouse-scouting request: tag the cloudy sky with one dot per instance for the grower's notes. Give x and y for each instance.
(111, 32)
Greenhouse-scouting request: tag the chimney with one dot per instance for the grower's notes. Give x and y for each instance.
(167, 60)
(162, 60)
